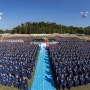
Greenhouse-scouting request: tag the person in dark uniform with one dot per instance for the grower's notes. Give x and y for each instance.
(70, 71)
(9, 80)
(75, 70)
(64, 71)
(23, 72)
(11, 70)
(59, 72)
(69, 82)
(76, 81)
(87, 78)
(29, 73)
(80, 71)
(62, 82)
(23, 83)
(85, 69)
(16, 70)
(82, 79)
(61, 65)
(1, 68)
(4, 79)
(16, 81)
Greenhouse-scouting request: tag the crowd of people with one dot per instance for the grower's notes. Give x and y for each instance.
(16, 39)
(70, 59)
(17, 60)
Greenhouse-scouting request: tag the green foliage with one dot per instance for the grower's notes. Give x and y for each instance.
(46, 27)
(1, 31)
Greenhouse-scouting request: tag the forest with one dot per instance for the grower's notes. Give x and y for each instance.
(46, 28)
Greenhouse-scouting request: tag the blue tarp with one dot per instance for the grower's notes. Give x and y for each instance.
(43, 76)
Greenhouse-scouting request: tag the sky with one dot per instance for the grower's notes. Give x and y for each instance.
(65, 12)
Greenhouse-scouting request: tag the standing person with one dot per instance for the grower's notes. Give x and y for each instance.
(82, 79)
(62, 82)
(23, 83)
(16, 81)
(4, 79)
(9, 80)
(70, 71)
(80, 71)
(87, 78)
(64, 71)
(69, 81)
(75, 70)
(76, 81)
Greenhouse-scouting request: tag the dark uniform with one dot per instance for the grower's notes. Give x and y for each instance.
(9, 80)
(75, 70)
(80, 71)
(82, 80)
(24, 84)
(87, 78)
(62, 83)
(70, 72)
(29, 74)
(16, 82)
(76, 81)
(69, 82)
(4, 80)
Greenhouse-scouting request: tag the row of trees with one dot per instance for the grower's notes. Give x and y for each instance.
(46, 27)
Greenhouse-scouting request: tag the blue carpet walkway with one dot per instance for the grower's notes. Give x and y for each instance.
(43, 76)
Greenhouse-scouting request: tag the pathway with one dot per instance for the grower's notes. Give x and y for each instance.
(43, 76)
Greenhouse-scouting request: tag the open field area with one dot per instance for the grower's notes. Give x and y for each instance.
(63, 42)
